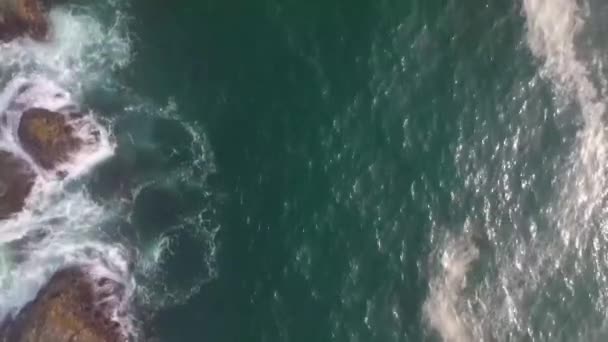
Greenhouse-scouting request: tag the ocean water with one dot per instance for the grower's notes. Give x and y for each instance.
(280, 170)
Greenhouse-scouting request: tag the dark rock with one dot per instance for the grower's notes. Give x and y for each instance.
(76, 305)
(16, 181)
(47, 137)
(22, 17)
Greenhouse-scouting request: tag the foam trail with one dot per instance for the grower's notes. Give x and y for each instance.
(553, 28)
(530, 287)
(443, 307)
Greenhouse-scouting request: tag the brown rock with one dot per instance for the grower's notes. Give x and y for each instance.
(74, 306)
(16, 181)
(47, 137)
(22, 17)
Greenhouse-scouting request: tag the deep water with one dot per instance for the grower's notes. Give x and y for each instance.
(367, 153)
(334, 126)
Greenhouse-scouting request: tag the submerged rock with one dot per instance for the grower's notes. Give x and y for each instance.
(16, 181)
(22, 17)
(48, 137)
(76, 305)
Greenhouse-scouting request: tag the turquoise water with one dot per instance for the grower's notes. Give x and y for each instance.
(385, 170)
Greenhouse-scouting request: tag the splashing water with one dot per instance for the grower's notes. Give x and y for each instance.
(62, 223)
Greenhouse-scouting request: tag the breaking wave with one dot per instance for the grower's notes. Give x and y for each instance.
(65, 220)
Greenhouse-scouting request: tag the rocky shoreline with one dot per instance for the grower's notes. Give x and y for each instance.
(50, 139)
(79, 303)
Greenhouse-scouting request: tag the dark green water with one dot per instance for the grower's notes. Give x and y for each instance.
(333, 126)
(349, 147)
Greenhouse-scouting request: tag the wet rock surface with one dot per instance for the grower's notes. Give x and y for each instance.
(16, 181)
(48, 137)
(75, 305)
(78, 303)
(22, 17)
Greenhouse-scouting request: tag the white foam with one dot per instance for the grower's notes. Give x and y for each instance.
(536, 283)
(22, 94)
(553, 29)
(443, 309)
(82, 52)
(60, 224)
(38, 243)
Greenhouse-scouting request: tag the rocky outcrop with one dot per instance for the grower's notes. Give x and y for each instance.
(16, 181)
(48, 137)
(22, 17)
(76, 305)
